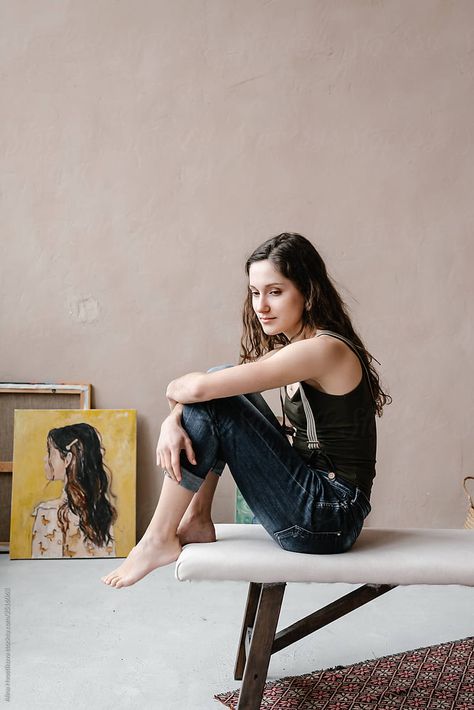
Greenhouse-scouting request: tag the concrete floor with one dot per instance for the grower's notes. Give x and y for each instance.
(165, 645)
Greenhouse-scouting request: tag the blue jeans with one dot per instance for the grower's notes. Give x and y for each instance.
(304, 509)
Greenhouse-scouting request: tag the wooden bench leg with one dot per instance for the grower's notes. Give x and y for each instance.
(247, 626)
(260, 649)
(258, 639)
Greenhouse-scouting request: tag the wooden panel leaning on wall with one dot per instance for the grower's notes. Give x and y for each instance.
(16, 395)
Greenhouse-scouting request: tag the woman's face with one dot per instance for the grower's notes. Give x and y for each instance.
(278, 304)
(54, 465)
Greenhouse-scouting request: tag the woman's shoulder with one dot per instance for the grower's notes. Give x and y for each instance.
(342, 370)
(323, 345)
(310, 359)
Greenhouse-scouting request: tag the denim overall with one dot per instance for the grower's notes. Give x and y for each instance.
(303, 508)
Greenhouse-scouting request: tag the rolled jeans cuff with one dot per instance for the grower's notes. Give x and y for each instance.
(190, 481)
(218, 467)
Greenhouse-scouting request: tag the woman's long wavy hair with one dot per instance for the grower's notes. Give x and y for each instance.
(296, 258)
(87, 484)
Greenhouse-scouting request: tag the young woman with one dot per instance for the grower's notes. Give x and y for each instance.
(311, 494)
(79, 522)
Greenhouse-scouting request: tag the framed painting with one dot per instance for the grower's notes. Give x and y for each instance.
(29, 395)
(74, 484)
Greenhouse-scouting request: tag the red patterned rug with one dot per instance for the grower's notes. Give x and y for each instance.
(433, 678)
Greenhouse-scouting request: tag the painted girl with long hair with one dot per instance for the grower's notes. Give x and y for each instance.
(311, 494)
(80, 522)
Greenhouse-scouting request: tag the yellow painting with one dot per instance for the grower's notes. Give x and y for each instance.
(74, 483)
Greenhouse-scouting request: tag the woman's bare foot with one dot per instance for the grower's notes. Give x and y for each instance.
(146, 556)
(196, 529)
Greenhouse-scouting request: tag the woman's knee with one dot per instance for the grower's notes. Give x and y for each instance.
(194, 412)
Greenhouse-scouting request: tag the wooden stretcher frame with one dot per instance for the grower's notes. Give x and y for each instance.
(62, 395)
(258, 640)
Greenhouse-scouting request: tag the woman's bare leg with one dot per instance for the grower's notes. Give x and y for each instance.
(197, 525)
(160, 544)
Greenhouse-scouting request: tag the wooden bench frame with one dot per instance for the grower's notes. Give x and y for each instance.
(381, 560)
(259, 640)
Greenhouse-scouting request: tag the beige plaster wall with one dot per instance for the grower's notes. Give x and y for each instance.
(148, 145)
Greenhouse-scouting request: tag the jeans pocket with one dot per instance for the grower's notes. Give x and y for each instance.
(297, 539)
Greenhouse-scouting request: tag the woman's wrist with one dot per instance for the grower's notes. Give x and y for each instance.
(173, 418)
(176, 411)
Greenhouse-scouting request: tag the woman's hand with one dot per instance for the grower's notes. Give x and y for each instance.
(173, 439)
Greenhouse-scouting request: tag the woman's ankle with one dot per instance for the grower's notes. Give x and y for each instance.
(158, 538)
(196, 516)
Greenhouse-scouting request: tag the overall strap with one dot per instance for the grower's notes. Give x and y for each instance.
(311, 432)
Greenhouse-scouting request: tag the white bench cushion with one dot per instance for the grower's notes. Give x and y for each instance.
(380, 556)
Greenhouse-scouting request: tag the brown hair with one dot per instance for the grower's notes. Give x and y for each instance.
(87, 485)
(297, 259)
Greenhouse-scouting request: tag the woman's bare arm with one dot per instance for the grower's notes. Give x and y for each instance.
(303, 360)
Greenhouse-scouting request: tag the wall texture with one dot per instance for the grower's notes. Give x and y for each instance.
(148, 146)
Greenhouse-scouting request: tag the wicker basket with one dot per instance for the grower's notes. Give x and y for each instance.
(469, 522)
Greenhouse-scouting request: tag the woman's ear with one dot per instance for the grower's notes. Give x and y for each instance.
(68, 459)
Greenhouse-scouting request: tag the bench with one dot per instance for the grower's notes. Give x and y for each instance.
(380, 560)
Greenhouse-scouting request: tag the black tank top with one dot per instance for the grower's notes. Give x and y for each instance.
(336, 432)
